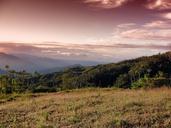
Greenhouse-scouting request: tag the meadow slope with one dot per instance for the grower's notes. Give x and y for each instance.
(88, 108)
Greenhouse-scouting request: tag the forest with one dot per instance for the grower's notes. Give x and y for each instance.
(144, 72)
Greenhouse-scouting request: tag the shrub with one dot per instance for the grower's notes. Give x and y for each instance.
(141, 83)
(44, 89)
(122, 81)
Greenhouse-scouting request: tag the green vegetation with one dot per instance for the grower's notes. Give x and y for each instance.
(86, 108)
(144, 72)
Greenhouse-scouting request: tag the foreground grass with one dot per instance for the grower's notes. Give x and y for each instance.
(96, 108)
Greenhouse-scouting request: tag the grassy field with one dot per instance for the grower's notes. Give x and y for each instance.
(88, 108)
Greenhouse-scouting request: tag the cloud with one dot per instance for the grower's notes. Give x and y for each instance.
(104, 52)
(166, 16)
(53, 50)
(150, 4)
(74, 49)
(147, 34)
(150, 46)
(159, 24)
(159, 30)
(107, 4)
(127, 46)
(159, 4)
(18, 47)
(127, 25)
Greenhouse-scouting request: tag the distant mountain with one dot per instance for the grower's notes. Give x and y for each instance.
(2, 71)
(15, 62)
(34, 63)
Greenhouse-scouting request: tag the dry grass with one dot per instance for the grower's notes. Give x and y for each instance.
(89, 108)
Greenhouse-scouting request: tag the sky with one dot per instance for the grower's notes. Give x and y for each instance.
(102, 30)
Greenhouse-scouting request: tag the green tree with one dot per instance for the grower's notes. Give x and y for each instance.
(123, 81)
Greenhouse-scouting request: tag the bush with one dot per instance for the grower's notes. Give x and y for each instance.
(122, 81)
(44, 89)
(141, 83)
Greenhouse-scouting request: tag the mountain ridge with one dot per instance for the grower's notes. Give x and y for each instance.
(32, 63)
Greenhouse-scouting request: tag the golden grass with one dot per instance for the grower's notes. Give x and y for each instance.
(89, 108)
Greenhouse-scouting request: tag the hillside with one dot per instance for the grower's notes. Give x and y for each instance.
(153, 71)
(96, 108)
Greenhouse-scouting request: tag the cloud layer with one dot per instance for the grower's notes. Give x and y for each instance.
(106, 3)
(95, 52)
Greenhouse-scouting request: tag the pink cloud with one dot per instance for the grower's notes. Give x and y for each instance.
(151, 4)
(159, 4)
(166, 16)
(159, 24)
(127, 25)
(106, 3)
(147, 34)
